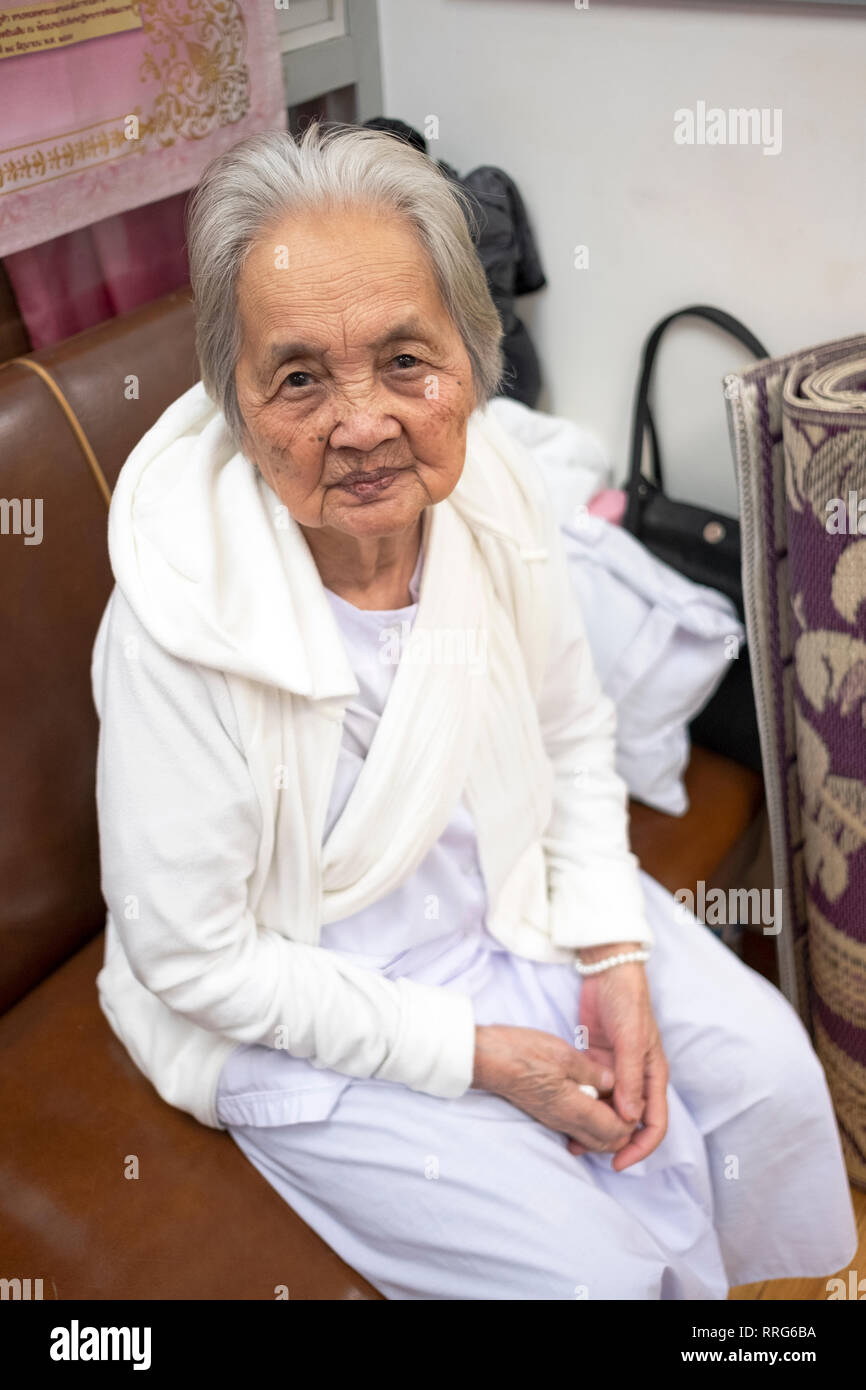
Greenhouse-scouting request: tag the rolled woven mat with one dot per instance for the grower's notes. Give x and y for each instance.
(798, 430)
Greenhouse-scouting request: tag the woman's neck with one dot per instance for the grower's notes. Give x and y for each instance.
(367, 571)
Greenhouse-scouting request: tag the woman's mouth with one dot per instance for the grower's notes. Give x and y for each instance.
(368, 486)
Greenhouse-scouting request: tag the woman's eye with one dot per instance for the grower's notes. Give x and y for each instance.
(291, 379)
(406, 360)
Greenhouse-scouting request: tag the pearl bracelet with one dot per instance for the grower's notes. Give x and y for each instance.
(609, 961)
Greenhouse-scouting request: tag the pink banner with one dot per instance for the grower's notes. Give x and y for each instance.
(90, 127)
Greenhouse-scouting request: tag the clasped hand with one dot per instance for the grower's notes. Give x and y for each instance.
(623, 1059)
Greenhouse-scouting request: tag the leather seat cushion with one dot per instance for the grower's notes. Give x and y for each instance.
(199, 1222)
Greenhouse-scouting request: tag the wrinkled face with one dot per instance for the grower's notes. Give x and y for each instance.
(354, 385)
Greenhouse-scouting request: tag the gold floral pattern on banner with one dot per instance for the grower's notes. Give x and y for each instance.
(196, 55)
(195, 52)
(71, 152)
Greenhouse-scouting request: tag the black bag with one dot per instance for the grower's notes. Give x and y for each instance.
(701, 544)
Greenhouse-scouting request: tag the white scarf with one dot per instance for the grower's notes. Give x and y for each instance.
(222, 576)
(449, 728)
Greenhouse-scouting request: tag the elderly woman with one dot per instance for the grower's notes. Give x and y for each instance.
(371, 902)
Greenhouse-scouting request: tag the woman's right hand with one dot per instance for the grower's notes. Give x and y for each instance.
(541, 1074)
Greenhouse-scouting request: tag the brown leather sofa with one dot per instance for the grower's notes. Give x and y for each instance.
(198, 1222)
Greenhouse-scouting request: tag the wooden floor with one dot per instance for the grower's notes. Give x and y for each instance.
(811, 1289)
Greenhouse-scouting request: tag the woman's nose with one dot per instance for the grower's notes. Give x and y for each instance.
(363, 422)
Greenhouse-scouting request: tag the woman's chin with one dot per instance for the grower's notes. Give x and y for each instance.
(382, 515)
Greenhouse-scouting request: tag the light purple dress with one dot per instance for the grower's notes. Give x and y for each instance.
(471, 1198)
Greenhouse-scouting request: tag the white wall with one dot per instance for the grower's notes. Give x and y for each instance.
(577, 105)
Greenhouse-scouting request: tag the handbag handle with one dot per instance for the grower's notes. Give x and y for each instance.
(643, 418)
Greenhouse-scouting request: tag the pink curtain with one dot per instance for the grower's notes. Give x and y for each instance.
(76, 280)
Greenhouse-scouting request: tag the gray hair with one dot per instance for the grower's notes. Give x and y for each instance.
(271, 174)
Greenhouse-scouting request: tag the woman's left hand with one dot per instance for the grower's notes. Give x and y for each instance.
(616, 1011)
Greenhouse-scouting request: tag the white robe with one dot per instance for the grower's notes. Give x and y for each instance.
(470, 1198)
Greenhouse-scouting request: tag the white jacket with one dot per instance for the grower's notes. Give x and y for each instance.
(220, 680)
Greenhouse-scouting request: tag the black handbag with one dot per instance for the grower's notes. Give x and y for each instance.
(703, 545)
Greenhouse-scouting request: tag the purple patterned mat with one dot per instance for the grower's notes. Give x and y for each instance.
(798, 430)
